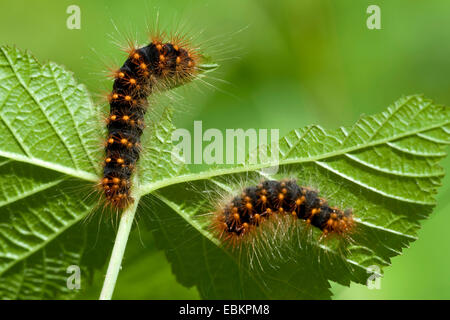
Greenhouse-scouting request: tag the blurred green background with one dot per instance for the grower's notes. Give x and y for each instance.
(284, 64)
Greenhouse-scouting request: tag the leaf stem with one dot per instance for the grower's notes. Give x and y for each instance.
(126, 221)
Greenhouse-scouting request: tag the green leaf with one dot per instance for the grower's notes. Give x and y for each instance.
(385, 167)
(48, 145)
(47, 119)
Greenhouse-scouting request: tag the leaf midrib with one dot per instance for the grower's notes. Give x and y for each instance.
(150, 187)
(80, 174)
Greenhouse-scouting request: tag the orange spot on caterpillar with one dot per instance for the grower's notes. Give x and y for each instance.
(300, 200)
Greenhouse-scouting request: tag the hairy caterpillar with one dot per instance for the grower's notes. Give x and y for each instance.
(257, 204)
(157, 66)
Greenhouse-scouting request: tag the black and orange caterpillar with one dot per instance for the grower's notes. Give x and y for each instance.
(157, 66)
(257, 204)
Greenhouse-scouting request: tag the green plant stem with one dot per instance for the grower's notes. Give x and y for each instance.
(126, 221)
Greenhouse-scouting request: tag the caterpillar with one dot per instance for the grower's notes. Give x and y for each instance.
(257, 204)
(157, 66)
